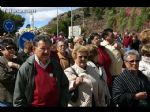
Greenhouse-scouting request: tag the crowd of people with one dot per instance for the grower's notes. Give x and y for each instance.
(102, 70)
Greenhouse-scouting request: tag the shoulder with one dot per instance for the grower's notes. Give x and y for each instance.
(55, 62)
(70, 69)
(1, 59)
(121, 76)
(27, 64)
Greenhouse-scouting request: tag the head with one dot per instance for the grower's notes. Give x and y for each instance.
(28, 47)
(145, 50)
(95, 39)
(108, 35)
(145, 36)
(80, 55)
(61, 47)
(78, 40)
(70, 43)
(131, 59)
(93, 52)
(126, 34)
(42, 47)
(8, 48)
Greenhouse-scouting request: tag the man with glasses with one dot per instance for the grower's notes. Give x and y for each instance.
(131, 87)
(8, 71)
(41, 81)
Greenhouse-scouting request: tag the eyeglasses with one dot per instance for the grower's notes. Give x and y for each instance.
(132, 61)
(10, 47)
(83, 57)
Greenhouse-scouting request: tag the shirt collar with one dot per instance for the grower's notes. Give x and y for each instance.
(40, 63)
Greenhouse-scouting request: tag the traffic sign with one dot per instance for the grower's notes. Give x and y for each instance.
(74, 31)
(26, 36)
(9, 25)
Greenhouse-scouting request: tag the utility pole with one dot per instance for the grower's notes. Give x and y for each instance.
(83, 17)
(31, 20)
(71, 23)
(57, 22)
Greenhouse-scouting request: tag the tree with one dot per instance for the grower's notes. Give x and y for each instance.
(98, 13)
(86, 12)
(131, 20)
(1, 22)
(110, 19)
(121, 20)
(18, 20)
(63, 26)
(69, 14)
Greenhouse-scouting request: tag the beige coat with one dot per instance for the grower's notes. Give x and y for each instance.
(91, 84)
(115, 55)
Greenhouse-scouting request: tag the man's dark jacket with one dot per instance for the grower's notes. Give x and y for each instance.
(24, 86)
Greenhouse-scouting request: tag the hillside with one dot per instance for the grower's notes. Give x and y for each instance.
(95, 19)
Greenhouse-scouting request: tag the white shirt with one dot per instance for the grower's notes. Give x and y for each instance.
(40, 63)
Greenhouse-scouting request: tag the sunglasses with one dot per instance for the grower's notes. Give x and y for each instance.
(10, 47)
(83, 57)
(132, 61)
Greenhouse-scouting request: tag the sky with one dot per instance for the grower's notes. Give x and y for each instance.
(42, 15)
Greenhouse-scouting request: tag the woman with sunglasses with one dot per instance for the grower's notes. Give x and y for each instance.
(86, 78)
(131, 87)
(8, 71)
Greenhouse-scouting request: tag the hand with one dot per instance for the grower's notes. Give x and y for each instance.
(117, 46)
(78, 81)
(13, 65)
(140, 95)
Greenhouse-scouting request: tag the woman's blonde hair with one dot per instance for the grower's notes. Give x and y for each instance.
(145, 36)
(92, 51)
(145, 50)
(78, 49)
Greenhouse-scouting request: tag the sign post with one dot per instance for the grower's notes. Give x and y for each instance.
(9, 26)
(74, 31)
(27, 36)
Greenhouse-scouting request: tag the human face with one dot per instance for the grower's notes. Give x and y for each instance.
(110, 37)
(81, 59)
(9, 52)
(80, 41)
(132, 63)
(70, 45)
(61, 47)
(96, 40)
(42, 50)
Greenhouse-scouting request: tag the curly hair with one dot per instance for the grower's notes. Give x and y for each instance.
(78, 49)
(145, 36)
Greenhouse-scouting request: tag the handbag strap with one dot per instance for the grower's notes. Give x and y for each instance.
(74, 71)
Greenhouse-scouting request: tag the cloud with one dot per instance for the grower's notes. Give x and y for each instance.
(28, 8)
(45, 15)
(41, 14)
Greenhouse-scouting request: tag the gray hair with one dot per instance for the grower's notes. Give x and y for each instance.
(131, 52)
(77, 38)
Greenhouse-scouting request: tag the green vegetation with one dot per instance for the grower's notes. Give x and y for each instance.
(19, 21)
(98, 18)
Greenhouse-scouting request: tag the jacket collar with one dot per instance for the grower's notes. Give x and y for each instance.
(31, 59)
(146, 59)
